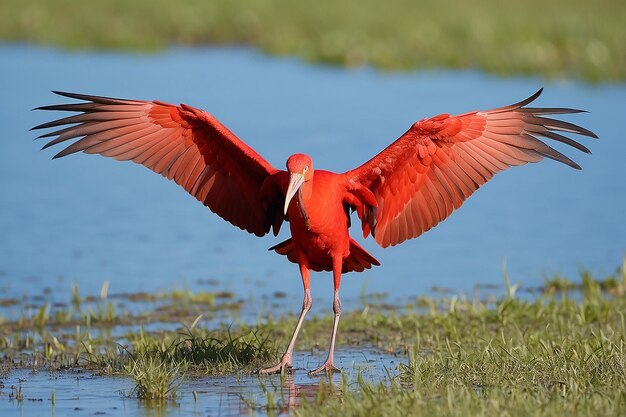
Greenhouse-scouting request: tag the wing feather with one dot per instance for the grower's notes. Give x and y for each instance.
(182, 143)
(428, 172)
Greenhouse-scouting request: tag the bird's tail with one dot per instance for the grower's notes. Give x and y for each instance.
(358, 260)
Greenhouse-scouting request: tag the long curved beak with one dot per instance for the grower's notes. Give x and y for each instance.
(295, 181)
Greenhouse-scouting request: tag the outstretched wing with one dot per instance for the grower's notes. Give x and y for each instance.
(439, 162)
(181, 143)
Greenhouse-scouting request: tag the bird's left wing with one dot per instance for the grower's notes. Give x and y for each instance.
(181, 143)
(439, 162)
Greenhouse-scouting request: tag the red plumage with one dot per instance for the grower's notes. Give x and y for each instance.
(405, 190)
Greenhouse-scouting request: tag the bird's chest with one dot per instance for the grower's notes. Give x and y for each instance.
(318, 221)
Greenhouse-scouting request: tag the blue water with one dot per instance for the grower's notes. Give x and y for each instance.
(83, 394)
(87, 219)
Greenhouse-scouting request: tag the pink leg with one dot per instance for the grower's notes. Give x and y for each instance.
(329, 365)
(285, 362)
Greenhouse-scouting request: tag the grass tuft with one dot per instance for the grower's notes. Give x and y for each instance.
(156, 378)
(222, 354)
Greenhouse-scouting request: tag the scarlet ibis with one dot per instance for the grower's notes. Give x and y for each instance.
(405, 190)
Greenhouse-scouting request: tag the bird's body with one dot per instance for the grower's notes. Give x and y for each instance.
(313, 215)
(405, 190)
(319, 222)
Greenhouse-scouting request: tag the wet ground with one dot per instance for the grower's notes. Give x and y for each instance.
(80, 393)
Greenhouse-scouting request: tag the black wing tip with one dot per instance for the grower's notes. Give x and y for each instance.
(584, 132)
(39, 127)
(93, 98)
(76, 96)
(46, 135)
(62, 94)
(521, 104)
(584, 149)
(57, 155)
(63, 153)
(48, 107)
(534, 96)
(47, 145)
(565, 160)
(563, 110)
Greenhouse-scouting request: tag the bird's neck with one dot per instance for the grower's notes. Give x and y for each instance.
(304, 197)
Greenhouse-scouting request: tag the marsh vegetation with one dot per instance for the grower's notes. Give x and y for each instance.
(557, 38)
(556, 349)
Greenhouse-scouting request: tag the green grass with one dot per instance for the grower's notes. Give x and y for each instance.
(203, 351)
(557, 350)
(557, 355)
(583, 374)
(554, 38)
(155, 377)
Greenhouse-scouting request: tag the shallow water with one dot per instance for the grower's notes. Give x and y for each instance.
(80, 393)
(86, 219)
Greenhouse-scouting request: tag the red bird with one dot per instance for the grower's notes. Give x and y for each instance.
(405, 190)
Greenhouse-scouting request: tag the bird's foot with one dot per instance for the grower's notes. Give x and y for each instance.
(328, 367)
(283, 366)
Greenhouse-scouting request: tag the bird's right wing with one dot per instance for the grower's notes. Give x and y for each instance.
(181, 143)
(419, 179)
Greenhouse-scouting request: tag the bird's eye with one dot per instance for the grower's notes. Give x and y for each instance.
(306, 168)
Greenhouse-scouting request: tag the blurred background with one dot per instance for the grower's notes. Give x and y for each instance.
(554, 38)
(338, 80)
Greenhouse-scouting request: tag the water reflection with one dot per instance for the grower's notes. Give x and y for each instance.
(291, 394)
(229, 395)
(279, 394)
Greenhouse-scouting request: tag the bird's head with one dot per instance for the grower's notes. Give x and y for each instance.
(300, 168)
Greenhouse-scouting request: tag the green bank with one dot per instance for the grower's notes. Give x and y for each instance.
(552, 38)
